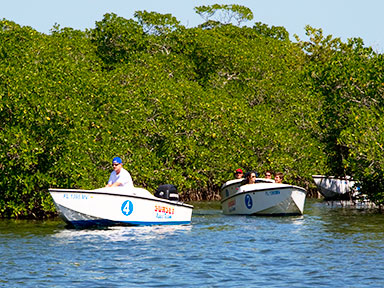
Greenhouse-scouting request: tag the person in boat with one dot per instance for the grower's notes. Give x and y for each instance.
(239, 174)
(250, 177)
(279, 177)
(268, 175)
(119, 176)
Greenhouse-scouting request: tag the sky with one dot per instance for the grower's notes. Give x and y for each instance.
(339, 18)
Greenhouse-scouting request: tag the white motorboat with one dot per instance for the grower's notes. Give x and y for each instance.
(265, 197)
(120, 206)
(335, 188)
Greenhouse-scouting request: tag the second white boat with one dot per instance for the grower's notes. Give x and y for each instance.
(265, 197)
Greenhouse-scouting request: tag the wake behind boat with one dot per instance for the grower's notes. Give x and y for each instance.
(265, 197)
(121, 206)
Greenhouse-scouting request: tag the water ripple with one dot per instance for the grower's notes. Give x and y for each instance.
(326, 247)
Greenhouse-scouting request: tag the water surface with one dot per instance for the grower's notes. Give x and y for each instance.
(326, 247)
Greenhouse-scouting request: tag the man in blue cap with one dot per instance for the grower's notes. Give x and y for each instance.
(119, 176)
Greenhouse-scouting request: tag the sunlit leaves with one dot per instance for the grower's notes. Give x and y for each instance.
(349, 79)
(117, 38)
(225, 14)
(156, 23)
(181, 106)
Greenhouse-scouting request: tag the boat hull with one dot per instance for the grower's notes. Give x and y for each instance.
(264, 199)
(334, 188)
(118, 206)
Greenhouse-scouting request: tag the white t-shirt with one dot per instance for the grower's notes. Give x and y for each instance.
(123, 177)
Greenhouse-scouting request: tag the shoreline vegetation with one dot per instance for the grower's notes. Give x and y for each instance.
(185, 106)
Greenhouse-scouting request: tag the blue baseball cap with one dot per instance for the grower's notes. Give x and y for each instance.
(117, 160)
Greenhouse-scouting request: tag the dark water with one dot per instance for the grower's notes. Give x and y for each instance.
(327, 247)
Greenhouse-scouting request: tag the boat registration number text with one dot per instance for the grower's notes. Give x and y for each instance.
(75, 196)
(271, 193)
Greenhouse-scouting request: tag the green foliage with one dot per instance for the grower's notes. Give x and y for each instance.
(46, 85)
(181, 106)
(225, 13)
(349, 79)
(156, 23)
(276, 32)
(117, 38)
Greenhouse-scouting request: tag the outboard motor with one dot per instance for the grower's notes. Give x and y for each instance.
(167, 191)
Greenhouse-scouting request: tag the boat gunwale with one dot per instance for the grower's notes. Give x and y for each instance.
(233, 183)
(59, 190)
(346, 178)
(263, 190)
(259, 180)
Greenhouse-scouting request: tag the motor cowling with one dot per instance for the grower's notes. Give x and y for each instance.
(167, 191)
